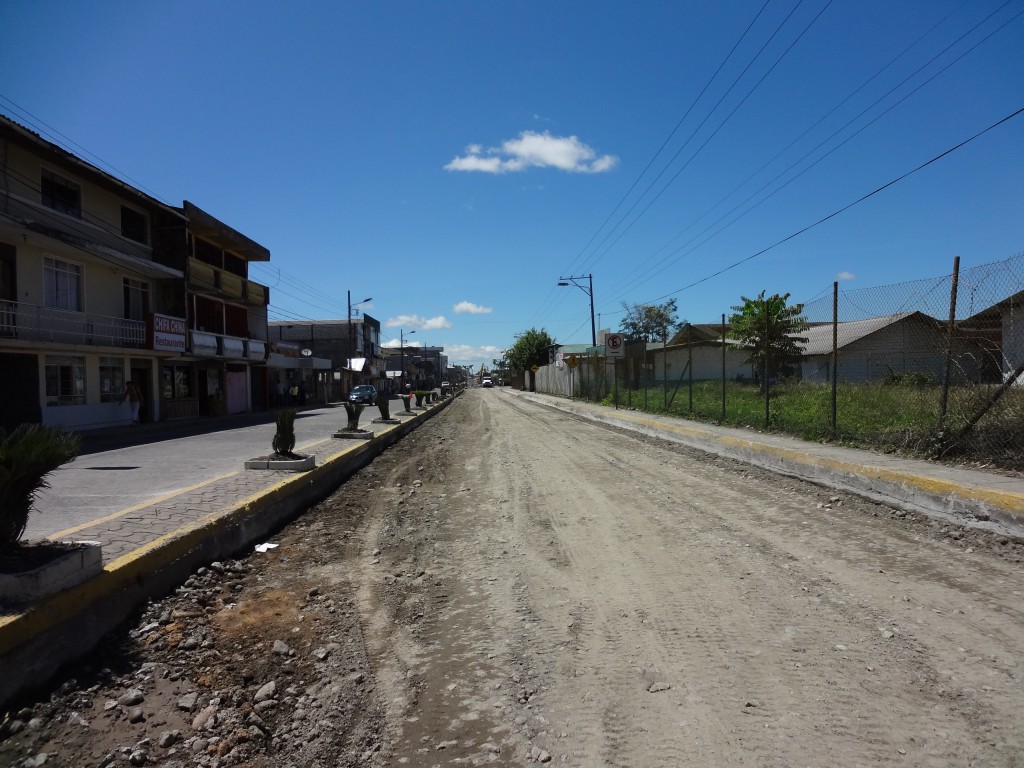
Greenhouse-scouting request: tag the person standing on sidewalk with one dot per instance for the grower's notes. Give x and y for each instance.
(134, 398)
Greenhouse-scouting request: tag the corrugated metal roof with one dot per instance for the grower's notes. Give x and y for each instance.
(819, 338)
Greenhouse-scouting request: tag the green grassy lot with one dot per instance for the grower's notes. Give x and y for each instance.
(882, 417)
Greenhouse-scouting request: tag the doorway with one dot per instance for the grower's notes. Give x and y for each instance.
(141, 378)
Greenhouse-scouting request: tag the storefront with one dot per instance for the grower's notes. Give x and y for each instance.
(293, 378)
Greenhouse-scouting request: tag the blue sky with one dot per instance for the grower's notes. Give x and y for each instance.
(453, 160)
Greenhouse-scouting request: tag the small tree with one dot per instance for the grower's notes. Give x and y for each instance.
(27, 455)
(284, 438)
(650, 322)
(768, 329)
(532, 347)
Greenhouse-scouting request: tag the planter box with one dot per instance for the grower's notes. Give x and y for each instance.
(300, 464)
(66, 569)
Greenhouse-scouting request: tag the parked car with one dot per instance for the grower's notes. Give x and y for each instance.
(445, 385)
(363, 393)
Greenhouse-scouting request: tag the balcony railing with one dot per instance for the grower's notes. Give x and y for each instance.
(204, 278)
(28, 322)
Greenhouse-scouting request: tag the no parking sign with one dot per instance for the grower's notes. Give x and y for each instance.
(614, 345)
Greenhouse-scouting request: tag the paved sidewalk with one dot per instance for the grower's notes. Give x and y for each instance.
(162, 509)
(128, 498)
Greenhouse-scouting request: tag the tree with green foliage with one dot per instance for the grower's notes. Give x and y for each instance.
(650, 322)
(768, 329)
(532, 347)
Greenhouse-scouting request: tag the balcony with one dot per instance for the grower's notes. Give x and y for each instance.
(206, 279)
(205, 344)
(28, 322)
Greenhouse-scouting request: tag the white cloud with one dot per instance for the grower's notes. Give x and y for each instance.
(465, 354)
(532, 149)
(417, 323)
(469, 308)
(396, 343)
(845, 276)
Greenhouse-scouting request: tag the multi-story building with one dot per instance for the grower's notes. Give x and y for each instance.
(88, 300)
(224, 368)
(101, 284)
(353, 349)
(417, 366)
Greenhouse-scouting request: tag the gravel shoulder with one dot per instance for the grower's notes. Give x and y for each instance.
(510, 585)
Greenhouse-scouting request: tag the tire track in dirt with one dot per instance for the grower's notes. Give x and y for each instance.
(767, 610)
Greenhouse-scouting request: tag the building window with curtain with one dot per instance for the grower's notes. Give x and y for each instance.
(65, 380)
(136, 299)
(62, 285)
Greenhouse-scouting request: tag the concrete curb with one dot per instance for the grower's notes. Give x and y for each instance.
(892, 482)
(37, 642)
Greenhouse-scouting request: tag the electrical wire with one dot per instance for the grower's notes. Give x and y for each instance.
(846, 207)
(665, 263)
(660, 266)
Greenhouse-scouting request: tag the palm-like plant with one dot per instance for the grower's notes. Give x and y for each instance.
(284, 439)
(27, 455)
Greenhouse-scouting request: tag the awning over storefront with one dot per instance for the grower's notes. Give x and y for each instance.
(277, 360)
(255, 350)
(204, 344)
(233, 348)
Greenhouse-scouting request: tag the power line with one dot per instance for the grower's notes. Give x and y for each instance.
(598, 256)
(667, 261)
(712, 135)
(71, 142)
(637, 280)
(679, 123)
(847, 207)
(545, 303)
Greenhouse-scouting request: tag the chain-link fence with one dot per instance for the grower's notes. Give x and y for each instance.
(931, 367)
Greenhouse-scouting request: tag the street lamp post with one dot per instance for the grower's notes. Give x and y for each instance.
(401, 348)
(351, 337)
(564, 281)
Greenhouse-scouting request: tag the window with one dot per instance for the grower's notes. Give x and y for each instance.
(208, 252)
(236, 265)
(134, 225)
(61, 194)
(65, 380)
(111, 379)
(136, 299)
(176, 382)
(62, 285)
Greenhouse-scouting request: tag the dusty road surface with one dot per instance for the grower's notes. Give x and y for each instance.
(512, 586)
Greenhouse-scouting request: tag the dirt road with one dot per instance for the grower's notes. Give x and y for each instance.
(510, 585)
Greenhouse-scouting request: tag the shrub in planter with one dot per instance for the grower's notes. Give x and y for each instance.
(384, 405)
(353, 410)
(420, 394)
(406, 399)
(27, 455)
(284, 438)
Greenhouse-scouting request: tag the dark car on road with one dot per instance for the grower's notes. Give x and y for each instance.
(363, 393)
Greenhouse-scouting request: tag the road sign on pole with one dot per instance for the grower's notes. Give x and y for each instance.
(614, 345)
